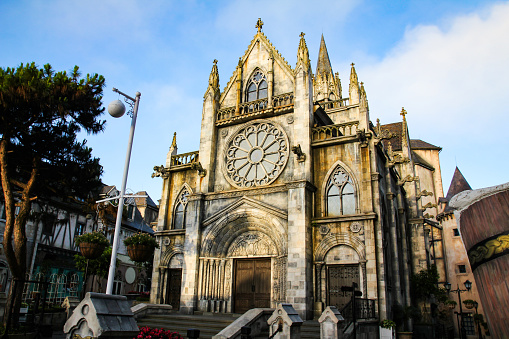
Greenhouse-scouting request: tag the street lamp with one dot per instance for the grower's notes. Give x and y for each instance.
(468, 286)
(476, 304)
(117, 109)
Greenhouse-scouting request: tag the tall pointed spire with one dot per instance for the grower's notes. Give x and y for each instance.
(172, 151)
(323, 66)
(303, 53)
(353, 90)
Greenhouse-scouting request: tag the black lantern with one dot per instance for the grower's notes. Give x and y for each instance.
(447, 286)
(468, 285)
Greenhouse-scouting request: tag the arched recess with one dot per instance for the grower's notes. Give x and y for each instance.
(256, 77)
(339, 260)
(238, 236)
(4, 276)
(179, 207)
(342, 165)
(170, 275)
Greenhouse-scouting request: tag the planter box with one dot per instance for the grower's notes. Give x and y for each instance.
(386, 333)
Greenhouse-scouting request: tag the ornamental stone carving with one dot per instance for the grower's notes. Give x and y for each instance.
(256, 154)
(252, 243)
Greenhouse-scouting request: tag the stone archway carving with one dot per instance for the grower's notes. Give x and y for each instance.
(245, 233)
(335, 241)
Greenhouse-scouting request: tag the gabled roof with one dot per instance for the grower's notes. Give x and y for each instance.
(278, 58)
(419, 144)
(395, 129)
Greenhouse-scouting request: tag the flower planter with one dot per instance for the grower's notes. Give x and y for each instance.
(469, 305)
(91, 250)
(140, 253)
(405, 335)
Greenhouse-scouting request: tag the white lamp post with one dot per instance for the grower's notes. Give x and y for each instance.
(117, 109)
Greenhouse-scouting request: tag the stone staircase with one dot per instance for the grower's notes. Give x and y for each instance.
(210, 324)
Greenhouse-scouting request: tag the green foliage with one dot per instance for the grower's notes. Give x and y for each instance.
(386, 323)
(141, 239)
(41, 112)
(403, 314)
(99, 266)
(425, 284)
(92, 238)
(478, 318)
(450, 302)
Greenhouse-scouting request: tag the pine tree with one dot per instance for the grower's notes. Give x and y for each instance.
(41, 112)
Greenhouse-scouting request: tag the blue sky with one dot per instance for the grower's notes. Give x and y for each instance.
(445, 61)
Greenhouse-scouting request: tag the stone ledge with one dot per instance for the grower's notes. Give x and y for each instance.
(142, 310)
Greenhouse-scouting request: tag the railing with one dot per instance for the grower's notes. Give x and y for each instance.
(278, 101)
(57, 288)
(184, 159)
(335, 103)
(364, 309)
(282, 100)
(334, 131)
(253, 106)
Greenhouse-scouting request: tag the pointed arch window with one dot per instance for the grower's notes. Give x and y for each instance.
(340, 193)
(257, 87)
(180, 210)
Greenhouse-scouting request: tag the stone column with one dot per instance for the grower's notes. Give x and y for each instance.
(270, 86)
(190, 272)
(299, 287)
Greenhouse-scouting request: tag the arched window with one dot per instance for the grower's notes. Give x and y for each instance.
(179, 212)
(340, 193)
(257, 87)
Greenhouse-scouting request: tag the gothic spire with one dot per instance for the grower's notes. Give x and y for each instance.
(214, 77)
(303, 53)
(323, 65)
(353, 90)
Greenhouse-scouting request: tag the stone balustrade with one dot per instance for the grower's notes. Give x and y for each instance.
(279, 102)
(184, 159)
(335, 131)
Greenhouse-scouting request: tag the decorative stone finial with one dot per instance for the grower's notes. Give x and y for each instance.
(303, 53)
(259, 25)
(174, 142)
(302, 35)
(214, 77)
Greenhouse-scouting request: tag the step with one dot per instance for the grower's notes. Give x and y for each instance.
(209, 325)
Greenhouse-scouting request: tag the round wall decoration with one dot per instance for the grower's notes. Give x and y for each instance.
(256, 154)
(130, 275)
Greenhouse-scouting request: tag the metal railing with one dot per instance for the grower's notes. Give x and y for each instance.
(364, 309)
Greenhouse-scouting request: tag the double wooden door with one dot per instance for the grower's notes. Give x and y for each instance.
(338, 276)
(252, 284)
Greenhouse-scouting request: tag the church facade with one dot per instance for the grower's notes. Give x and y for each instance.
(293, 194)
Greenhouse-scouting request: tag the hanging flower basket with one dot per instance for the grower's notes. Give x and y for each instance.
(140, 246)
(92, 244)
(91, 250)
(469, 304)
(140, 253)
(451, 304)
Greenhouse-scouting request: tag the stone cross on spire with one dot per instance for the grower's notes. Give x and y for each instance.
(403, 112)
(259, 25)
(302, 35)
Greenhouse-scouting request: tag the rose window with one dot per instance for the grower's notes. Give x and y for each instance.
(256, 155)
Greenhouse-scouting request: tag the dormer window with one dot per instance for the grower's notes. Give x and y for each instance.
(257, 87)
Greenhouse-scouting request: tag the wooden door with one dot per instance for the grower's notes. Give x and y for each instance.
(338, 276)
(252, 284)
(173, 283)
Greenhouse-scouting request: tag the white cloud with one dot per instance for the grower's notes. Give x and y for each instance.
(454, 75)
(452, 79)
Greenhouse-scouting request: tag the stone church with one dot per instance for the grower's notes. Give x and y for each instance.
(293, 194)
